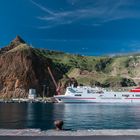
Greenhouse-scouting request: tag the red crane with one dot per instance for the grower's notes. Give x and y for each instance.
(54, 81)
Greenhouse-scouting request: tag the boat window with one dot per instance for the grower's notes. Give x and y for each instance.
(77, 94)
(94, 91)
(114, 95)
(71, 90)
(90, 91)
(100, 92)
(125, 95)
(138, 95)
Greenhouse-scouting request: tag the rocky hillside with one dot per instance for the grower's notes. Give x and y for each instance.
(22, 68)
(117, 71)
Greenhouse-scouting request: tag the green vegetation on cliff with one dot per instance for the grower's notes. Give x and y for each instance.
(118, 71)
(23, 67)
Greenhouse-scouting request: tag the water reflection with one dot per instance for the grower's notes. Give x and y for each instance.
(101, 116)
(40, 116)
(12, 115)
(75, 116)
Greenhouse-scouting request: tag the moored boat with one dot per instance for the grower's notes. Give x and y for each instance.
(85, 94)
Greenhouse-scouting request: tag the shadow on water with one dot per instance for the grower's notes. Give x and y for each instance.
(75, 116)
(26, 115)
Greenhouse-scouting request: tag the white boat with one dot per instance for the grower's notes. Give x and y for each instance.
(84, 94)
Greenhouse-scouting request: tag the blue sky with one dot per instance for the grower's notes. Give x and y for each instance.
(87, 27)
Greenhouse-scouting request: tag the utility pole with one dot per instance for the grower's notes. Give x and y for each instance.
(44, 87)
(47, 91)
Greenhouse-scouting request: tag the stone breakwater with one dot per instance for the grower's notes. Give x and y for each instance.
(38, 132)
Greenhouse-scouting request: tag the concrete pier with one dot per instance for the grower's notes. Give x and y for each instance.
(38, 132)
(23, 100)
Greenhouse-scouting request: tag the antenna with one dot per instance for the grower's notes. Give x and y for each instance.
(31, 45)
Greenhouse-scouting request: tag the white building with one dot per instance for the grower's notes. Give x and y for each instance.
(32, 94)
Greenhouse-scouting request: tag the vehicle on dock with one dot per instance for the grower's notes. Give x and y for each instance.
(85, 94)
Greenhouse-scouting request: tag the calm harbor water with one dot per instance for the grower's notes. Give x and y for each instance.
(75, 116)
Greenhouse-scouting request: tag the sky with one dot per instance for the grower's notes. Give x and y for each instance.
(86, 27)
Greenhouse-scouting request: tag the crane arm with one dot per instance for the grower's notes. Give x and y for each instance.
(52, 78)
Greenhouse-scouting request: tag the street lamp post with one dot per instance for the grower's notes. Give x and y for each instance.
(47, 91)
(44, 87)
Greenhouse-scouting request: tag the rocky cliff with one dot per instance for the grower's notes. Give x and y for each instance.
(22, 68)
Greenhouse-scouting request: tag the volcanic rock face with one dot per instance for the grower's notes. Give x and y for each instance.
(21, 69)
(17, 41)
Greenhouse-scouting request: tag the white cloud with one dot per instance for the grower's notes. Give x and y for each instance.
(98, 12)
(134, 45)
(60, 40)
(43, 8)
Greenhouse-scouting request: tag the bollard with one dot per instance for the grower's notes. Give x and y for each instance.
(58, 124)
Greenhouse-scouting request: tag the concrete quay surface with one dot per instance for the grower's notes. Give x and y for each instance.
(38, 132)
(69, 138)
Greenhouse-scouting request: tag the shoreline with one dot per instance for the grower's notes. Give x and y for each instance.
(38, 132)
(25, 100)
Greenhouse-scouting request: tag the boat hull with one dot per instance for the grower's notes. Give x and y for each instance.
(95, 95)
(95, 100)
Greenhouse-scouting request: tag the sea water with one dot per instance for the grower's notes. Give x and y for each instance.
(75, 116)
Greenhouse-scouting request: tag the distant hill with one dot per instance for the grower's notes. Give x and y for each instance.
(117, 71)
(23, 67)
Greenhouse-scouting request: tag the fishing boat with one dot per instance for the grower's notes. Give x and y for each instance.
(86, 94)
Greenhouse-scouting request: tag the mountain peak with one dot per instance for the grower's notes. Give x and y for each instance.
(18, 40)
